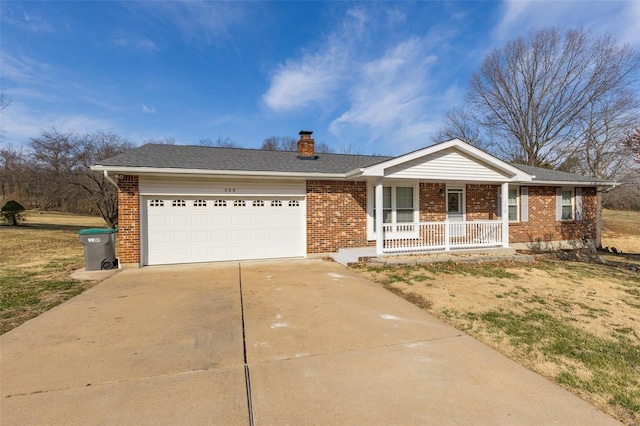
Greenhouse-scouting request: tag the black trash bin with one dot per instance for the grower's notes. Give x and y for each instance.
(99, 248)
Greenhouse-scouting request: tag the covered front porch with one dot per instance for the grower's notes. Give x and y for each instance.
(446, 197)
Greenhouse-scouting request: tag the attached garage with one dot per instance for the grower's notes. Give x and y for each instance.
(224, 221)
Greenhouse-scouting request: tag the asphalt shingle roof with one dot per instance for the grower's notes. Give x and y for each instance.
(547, 175)
(241, 159)
(238, 159)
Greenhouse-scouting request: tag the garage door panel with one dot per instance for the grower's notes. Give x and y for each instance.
(259, 235)
(219, 219)
(238, 218)
(198, 237)
(215, 229)
(200, 219)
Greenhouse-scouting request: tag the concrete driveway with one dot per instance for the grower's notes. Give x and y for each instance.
(292, 342)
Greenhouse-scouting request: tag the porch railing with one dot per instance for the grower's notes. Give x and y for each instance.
(431, 236)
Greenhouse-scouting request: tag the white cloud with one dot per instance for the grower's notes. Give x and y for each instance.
(319, 74)
(20, 123)
(148, 110)
(314, 79)
(136, 42)
(391, 99)
(206, 22)
(619, 18)
(380, 91)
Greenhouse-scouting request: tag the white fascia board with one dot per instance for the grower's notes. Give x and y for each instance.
(517, 174)
(153, 171)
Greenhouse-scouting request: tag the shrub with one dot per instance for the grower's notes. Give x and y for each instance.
(12, 212)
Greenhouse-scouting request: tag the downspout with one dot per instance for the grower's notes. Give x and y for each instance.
(110, 179)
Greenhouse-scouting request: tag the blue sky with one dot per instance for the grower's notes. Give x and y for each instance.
(372, 77)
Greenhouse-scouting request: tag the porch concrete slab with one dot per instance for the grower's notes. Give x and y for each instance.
(216, 396)
(315, 307)
(137, 324)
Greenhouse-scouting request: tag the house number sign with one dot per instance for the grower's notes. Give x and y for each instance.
(228, 190)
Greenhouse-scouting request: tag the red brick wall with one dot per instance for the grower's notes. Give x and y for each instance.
(128, 220)
(336, 215)
(432, 205)
(542, 225)
(482, 202)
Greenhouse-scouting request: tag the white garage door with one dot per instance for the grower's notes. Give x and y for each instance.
(184, 230)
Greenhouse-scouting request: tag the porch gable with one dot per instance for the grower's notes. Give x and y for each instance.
(453, 160)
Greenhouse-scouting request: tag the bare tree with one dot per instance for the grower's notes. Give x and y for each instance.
(280, 143)
(12, 175)
(460, 124)
(51, 160)
(162, 141)
(90, 149)
(602, 150)
(632, 141)
(4, 101)
(221, 142)
(531, 96)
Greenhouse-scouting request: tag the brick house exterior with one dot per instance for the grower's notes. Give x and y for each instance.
(339, 206)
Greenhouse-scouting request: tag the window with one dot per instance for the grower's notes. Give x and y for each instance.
(156, 203)
(513, 205)
(220, 203)
(276, 203)
(294, 203)
(567, 204)
(239, 203)
(178, 203)
(399, 205)
(199, 203)
(258, 203)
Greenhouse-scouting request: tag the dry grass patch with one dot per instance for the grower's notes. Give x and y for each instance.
(575, 323)
(37, 259)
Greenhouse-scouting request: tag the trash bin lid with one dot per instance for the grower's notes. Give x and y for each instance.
(94, 231)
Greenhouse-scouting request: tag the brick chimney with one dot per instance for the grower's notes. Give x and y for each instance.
(306, 146)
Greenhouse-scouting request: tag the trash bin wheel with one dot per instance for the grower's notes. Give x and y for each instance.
(106, 264)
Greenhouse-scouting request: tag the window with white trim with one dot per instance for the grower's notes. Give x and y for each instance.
(294, 203)
(239, 203)
(276, 203)
(513, 205)
(399, 205)
(220, 203)
(258, 203)
(178, 203)
(199, 203)
(567, 204)
(156, 203)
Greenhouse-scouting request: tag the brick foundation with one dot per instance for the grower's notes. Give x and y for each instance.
(128, 220)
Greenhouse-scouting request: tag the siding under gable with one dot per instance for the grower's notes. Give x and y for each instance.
(447, 165)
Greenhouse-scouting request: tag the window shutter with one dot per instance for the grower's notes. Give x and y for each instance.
(499, 210)
(558, 204)
(579, 204)
(524, 204)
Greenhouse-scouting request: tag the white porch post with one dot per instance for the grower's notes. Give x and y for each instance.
(379, 217)
(504, 190)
